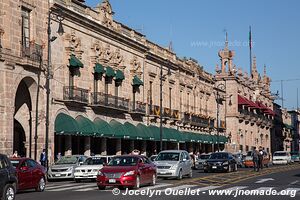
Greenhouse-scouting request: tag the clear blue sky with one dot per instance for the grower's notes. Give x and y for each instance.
(275, 32)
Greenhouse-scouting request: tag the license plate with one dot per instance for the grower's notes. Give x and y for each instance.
(85, 174)
(57, 174)
(214, 167)
(112, 180)
(162, 172)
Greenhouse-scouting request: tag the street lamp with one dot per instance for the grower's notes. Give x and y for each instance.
(60, 31)
(219, 100)
(161, 100)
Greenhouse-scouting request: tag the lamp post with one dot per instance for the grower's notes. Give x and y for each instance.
(50, 39)
(220, 86)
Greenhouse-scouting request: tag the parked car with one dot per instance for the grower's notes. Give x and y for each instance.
(295, 156)
(220, 161)
(8, 180)
(282, 157)
(64, 168)
(201, 161)
(31, 175)
(127, 171)
(174, 164)
(239, 159)
(248, 162)
(89, 169)
(153, 157)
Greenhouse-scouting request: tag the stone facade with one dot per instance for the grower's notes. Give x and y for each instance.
(247, 123)
(190, 95)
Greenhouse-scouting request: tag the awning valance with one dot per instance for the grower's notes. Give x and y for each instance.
(120, 130)
(136, 81)
(86, 126)
(74, 62)
(134, 132)
(104, 129)
(99, 69)
(119, 75)
(109, 72)
(66, 125)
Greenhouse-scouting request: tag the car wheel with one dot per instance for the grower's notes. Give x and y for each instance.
(100, 187)
(9, 192)
(229, 168)
(153, 180)
(179, 176)
(235, 167)
(137, 182)
(206, 171)
(190, 175)
(41, 185)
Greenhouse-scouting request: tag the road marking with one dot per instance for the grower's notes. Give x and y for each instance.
(59, 186)
(71, 188)
(160, 185)
(264, 180)
(236, 188)
(294, 183)
(89, 189)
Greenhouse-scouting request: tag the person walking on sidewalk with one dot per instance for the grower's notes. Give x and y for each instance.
(255, 158)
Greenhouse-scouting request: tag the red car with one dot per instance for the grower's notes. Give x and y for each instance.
(31, 175)
(127, 171)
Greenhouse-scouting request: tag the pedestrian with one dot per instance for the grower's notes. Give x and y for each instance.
(260, 157)
(254, 155)
(43, 158)
(15, 155)
(58, 156)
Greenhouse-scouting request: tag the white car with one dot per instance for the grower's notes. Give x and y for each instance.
(89, 169)
(281, 157)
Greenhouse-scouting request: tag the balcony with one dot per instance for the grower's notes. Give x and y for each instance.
(34, 52)
(100, 99)
(167, 113)
(154, 111)
(175, 115)
(186, 118)
(199, 121)
(138, 108)
(75, 95)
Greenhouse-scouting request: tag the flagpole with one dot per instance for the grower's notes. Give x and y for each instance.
(250, 47)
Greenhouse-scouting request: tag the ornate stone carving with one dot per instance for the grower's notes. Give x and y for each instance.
(97, 50)
(117, 59)
(105, 13)
(74, 44)
(136, 68)
(106, 56)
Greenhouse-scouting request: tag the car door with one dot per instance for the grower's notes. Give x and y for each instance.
(24, 175)
(148, 169)
(143, 171)
(36, 172)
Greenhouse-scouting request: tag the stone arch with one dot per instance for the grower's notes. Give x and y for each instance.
(24, 101)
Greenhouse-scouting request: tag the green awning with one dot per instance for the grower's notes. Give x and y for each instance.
(155, 131)
(136, 81)
(75, 62)
(134, 132)
(104, 129)
(66, 125)
(119, 75)
(143, 129)
(119, 129)
(99, 69)
(207, 138)
(86, 126)
(110, 72)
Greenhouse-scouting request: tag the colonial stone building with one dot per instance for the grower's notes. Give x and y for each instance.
(295, 118)
(248, 104)
(105, 86)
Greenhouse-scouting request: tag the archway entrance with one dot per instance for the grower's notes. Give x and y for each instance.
(19, 139)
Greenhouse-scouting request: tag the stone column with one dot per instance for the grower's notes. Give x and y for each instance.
(131, 146)
(87, 146)
(144, 146)
(190, 147)
(118, 147)
(103, 146)
(68, 145)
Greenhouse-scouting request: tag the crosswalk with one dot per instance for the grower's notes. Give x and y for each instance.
(86, 187)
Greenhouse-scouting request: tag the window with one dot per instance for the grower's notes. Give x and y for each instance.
(180, 101)
(31, 163)
(25, 27)
(150, 93)
(3, 163)
(170, 98)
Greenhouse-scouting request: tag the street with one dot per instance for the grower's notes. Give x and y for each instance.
(277, 178)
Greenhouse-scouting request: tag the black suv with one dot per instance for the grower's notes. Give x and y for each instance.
(8, 179)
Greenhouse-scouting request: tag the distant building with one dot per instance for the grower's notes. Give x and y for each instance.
(295, 115)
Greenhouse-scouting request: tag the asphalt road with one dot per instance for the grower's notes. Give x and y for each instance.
(285, 179)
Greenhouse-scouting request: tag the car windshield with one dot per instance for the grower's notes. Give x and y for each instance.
(219, 156)
(204, 157)
(168, 156)
(280, 154)
(152, 158)
(123, 161)
(295, 154)
(67, 160)
(15, 163)
(249, 153)
(95, 161)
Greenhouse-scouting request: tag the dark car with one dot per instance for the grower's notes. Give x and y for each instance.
(127, 171)
(8, 179)
(31, 175)
(221, 161)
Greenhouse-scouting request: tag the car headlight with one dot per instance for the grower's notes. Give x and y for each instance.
(94, 170)
(77, 170)
(100, 173)
(130, 173)
(174, 167)
(70, 169)
(225, 163)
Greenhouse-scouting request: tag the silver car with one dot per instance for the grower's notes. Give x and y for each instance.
(174, 164)
(199, 164)
(64, 168)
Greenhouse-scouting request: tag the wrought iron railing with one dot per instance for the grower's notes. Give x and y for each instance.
(108, 100)
(138, 107)
(76, 94)
(33, 52)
